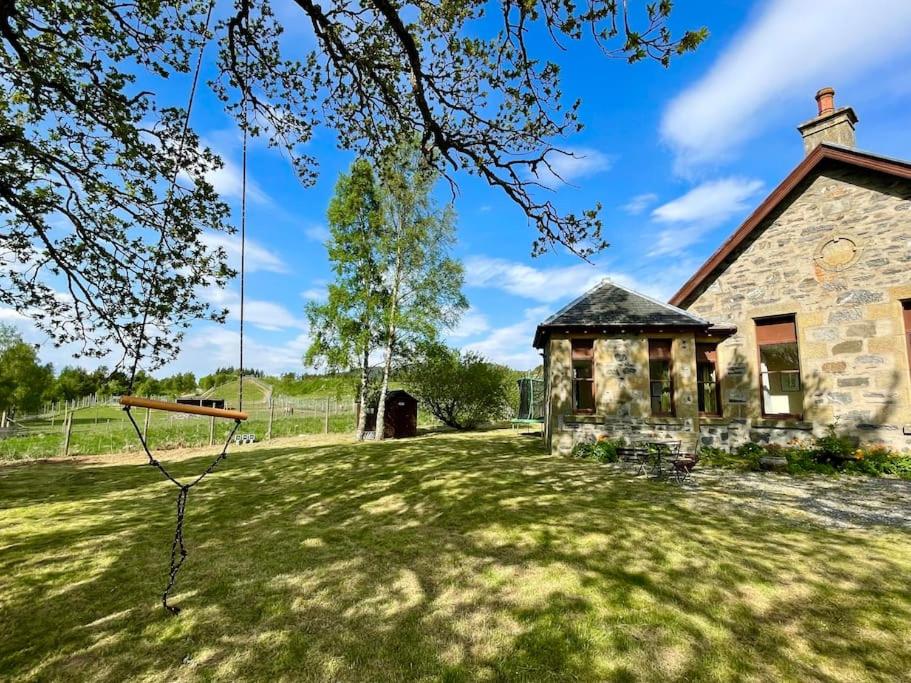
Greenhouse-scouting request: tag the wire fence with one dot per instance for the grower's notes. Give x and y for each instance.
(99, 426)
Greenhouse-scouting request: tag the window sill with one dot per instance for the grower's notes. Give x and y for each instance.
(664, 420)
(583, 418)
(783, 423)
(714, 419)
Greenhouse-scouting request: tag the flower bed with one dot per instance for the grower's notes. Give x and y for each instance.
(828, 454)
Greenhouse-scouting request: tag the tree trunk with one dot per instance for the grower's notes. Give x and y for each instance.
(381, 407)
(362, 397)
(390, 344)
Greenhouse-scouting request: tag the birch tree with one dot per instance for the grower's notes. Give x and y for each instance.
(344, 327)
(423, 282)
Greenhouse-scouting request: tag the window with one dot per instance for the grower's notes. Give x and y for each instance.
(661, 383)
(906, 311)
(583, 375)
(779, 367)
(707, 384)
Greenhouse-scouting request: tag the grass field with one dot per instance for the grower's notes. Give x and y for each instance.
(255, 391)
(105, 429)
(471, 557)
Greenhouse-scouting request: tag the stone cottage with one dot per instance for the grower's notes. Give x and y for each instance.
(801, 319)
(621, 364)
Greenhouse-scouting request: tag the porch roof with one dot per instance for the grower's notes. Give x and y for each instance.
(609, 305)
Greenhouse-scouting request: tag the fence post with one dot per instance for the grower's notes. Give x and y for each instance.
(212, 431)
(67, 429)
(145, 425)
(271, 415)
(326, 419)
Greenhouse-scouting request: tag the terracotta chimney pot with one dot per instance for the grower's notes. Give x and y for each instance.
(825, 99)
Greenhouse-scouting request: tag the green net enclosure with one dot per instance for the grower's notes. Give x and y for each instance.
(531, 399)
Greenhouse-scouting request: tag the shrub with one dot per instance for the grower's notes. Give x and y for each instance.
(583, 449)
(832, 448)
(462, 390)
(602, 450)
(750, 453)
(718, 457)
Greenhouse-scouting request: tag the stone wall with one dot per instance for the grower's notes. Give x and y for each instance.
(837, 255)
(621, 384)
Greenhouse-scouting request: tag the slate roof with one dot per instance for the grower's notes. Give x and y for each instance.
(611, 305)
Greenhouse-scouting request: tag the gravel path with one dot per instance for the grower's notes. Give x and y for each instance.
(841, 502)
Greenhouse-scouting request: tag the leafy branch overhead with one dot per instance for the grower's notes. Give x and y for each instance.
(88, 152)
(488, 106)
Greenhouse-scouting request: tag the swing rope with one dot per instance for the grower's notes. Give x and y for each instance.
(243, 228)
(178, 548)
(156, 263)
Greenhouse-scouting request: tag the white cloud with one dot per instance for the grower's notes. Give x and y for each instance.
(701, 209)
(789, 50)
(9, 315)
(473, 322)
(558, 286)
(267, 315)
(581, 162)
(211, 347)
(711, 202)
(317, 233)
(228, 180)
(256, 257)
(314, 293)
(511, 345)
(539, 284)
(640, 203)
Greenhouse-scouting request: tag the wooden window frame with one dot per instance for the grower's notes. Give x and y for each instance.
(717, 382)
(778, 319)
(584, 352)
(670, 378)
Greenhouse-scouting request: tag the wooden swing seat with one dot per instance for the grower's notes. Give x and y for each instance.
(137, 402)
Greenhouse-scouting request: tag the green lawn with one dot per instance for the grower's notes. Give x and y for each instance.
(443, 557)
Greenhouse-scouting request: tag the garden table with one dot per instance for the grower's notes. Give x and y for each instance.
(658, 449)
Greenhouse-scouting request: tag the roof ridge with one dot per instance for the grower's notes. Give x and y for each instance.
(588, 292)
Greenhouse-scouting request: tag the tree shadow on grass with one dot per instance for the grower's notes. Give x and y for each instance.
(446, 557)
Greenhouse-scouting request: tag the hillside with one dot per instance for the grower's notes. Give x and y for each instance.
(255, 391)
(314, 386)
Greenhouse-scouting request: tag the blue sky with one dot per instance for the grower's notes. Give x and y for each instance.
(677, 157)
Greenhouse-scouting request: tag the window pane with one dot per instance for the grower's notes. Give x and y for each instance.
(706, 372)
(661, 398)
(708, 398)
(582, 370)
(660, 387)
(659, 370)
(782, 390)
(584, 396)
(779, 356)
(583, 385)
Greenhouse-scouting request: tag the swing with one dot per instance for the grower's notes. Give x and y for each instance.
(128, 402)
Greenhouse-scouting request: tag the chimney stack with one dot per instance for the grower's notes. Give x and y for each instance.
(835, 126)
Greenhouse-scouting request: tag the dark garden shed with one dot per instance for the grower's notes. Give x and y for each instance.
(401, 415)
